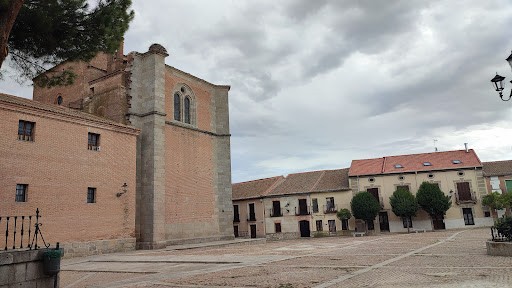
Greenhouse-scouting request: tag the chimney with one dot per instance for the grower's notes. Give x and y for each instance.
(466, 147)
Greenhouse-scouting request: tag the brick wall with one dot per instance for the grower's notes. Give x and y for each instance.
(58, 168)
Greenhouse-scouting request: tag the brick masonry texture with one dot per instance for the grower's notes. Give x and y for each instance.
(58, 168)
(183, 171)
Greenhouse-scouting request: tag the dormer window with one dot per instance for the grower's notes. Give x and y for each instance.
(427, 164)
(399, 166)
(456, 161)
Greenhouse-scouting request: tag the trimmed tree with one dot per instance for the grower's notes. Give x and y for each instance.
(432, 200)
(364, 206)
(41, 33)
(343, 214)
(494, 201)
(404, 204)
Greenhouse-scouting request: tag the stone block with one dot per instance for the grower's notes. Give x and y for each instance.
(6, 274)
(6, 258)
(20, 271)
(34, 270)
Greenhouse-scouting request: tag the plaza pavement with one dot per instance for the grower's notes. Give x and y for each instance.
(454, 258)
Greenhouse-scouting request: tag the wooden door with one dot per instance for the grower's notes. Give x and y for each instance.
(384, 221)
(304, 228)
(438, 222)
(253, 231)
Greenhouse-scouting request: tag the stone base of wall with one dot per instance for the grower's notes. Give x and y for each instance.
(499, 248)
(23, 269)
(198, 240)
(81, 249)
(283, 236)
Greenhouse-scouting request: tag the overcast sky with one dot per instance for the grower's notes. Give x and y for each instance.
(316, 84)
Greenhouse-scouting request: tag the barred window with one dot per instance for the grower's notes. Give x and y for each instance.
(93, 141)
(26, 130)
(21, 192)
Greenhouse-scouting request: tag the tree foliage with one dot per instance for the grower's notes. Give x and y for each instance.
(364, 206)
(403, 204)
(344, 214)
(47, 32)
(494, 201)
(432, 199)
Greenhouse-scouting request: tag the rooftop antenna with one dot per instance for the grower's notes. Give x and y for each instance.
(435, 147)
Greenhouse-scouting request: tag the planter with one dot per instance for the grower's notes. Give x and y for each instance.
(51, 261)
(499, 248)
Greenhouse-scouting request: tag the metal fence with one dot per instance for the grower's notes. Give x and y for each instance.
(22, 232)
(497, 236)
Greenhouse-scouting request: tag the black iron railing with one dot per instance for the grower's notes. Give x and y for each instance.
(497, 236)
(22, 232)
(276, 212)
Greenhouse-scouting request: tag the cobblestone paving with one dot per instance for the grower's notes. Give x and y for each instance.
(454, 258)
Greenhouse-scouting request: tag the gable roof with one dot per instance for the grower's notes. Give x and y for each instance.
(415, 162)
(254, 188)
(497, 168)
(313, 181)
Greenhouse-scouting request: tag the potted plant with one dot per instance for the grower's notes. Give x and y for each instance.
(51, 261)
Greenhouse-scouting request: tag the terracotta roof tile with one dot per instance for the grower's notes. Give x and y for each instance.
(297, 183)
(333, 180)
(254, 188)
(414, 162)
(497, 168)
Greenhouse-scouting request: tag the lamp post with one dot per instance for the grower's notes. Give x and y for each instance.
(497, 81)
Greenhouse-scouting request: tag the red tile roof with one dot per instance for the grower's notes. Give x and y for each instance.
(497, 168)
(255, 188)
(415, 162)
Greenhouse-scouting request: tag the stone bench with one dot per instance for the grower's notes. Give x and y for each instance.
(358, 234)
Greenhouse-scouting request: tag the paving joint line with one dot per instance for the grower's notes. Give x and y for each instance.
(381, 264)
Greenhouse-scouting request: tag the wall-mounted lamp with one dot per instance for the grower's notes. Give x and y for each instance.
(451, 193)
(118, 194)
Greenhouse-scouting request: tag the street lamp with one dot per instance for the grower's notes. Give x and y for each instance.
(497, 81)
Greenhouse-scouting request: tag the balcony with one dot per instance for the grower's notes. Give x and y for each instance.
(276, 212)
(465, 198)
(236, 219)
(251, 217)
(302, 210)
(330, 209)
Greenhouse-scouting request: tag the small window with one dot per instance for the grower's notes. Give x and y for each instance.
(177, 107)
(402, 187)
(183, 89)
(319, 226)
(277, 227)
(21, 192)
(399, 166)
(487, 213)
(430, 175)
(93, 142)
(460, 173)
(401, 178)
(91, 195)
(427, 164)
(26, 130)
(456, 161)
(59, 100)
(371, 179)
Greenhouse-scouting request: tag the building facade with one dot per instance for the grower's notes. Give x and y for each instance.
(498, 178)
(79, 170)
(183, 175)
(457, 173)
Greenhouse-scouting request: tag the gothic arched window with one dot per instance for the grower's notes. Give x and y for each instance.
(186, 110)
(59, 100)
(177, 107)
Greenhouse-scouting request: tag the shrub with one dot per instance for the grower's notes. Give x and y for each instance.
(504, 227)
